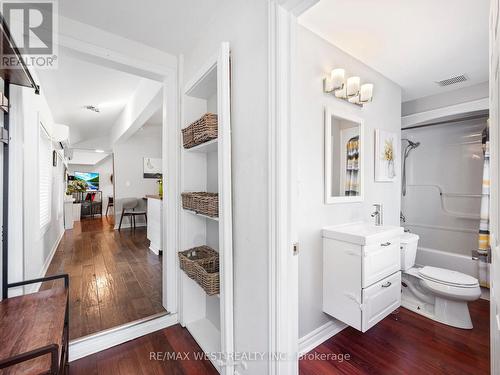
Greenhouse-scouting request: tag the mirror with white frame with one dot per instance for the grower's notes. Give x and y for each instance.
(344, 142)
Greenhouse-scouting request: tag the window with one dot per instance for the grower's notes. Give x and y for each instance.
(44, 175)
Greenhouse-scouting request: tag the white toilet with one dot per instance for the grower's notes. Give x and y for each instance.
(436, 293)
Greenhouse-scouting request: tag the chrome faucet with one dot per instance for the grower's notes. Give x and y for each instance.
(378, 214)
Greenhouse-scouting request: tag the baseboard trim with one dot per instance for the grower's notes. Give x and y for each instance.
(103, 340)
(33, 288)
(154, 249)
(319, 335)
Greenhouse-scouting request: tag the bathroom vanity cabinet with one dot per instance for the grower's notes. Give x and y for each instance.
(362, 278)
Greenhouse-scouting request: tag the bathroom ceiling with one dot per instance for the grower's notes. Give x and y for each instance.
(413, 43)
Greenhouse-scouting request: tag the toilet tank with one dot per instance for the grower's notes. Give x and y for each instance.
(409, 244)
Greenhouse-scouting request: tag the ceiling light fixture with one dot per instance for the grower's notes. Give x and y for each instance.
(100, 151)
(92, 108)
(351, 89)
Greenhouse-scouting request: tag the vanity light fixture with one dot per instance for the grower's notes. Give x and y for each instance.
(351, 89)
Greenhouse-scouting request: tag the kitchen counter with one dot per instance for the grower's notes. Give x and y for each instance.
(155, 223)
(153, 196)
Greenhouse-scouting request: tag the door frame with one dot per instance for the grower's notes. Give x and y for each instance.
(283, 265)
(494, 107)
(167, 75)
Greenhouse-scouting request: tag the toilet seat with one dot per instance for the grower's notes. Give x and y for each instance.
(447, 277)
(452, 292)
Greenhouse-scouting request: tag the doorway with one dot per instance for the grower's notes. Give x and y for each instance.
(118, 276)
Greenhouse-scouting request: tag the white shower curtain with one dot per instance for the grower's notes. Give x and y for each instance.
(484, 249)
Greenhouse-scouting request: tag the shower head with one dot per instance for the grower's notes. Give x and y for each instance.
(412, 144)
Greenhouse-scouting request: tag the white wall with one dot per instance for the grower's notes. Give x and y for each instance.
(462, 95)
(316, 58)
(140, 107)
(450, 156)
(244, 25)
(128, 161)
(105, 169)
(37, 245)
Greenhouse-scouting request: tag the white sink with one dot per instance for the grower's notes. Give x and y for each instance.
(361, 233)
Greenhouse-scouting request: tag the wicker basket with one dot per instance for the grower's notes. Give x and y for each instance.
(207, 276)
(188, 136)
(197, 255)
(201, 203)
(200, 131)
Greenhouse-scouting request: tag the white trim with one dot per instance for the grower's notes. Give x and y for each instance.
(283, 266)
(154, 249)
(225, 204)
(421, 117)
(320, 335)
(32, 288)
(171, 140)
(103, 340)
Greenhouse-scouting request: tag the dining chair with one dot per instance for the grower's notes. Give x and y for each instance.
(129, 206)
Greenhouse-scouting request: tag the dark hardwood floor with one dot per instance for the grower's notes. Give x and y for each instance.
(140, 357)
(403, 343)
(114, 277)
(407, 343)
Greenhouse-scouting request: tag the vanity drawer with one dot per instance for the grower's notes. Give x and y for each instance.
(379, 261)
(380, 299)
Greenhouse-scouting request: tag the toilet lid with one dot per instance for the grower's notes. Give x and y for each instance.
(449, 277)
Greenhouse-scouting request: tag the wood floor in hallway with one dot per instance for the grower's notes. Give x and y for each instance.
(408, 344)
(114, 277)
(146, 355)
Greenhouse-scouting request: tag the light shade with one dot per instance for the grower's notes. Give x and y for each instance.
(353, 84)
(366, 93)
(337, 77)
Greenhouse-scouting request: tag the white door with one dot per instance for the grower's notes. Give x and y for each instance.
(495, 180)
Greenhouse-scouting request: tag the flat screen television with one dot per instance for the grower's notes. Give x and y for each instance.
(91, 179)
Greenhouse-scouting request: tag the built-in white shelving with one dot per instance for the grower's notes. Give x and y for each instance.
(201, 215)
(207, 167)
(210, 146)
(206, 334)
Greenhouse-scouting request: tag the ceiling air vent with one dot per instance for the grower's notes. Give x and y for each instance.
(92, 108)
(452, 80)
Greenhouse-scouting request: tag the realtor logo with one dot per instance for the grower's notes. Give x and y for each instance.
(33, 28)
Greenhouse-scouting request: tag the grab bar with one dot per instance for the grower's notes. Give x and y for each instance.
(458, 195)
(443, 206)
